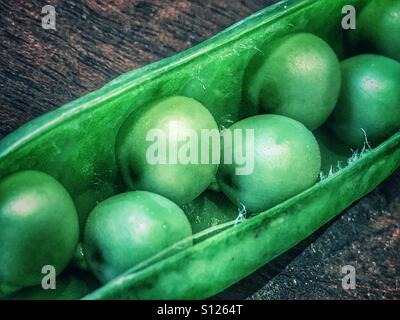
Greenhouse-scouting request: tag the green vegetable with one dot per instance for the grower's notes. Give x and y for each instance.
(165, 175)
(369, 103)
(297, 76)
(80, 138)
(129, 228)
(39, 227)
(377, 29)
(218, 262)
(286, 159)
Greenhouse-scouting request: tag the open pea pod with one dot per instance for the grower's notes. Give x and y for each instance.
(75, 144)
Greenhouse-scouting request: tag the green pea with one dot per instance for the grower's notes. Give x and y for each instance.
(369, 103)
(297, 76)
(39, 226)
(286, 162)
(378, 29)
(129, 228)
(170, 178)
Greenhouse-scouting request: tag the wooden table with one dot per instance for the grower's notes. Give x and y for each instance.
(95, 41)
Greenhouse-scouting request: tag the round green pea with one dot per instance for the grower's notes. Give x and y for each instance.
(298, 76)
(39, 226)
(286, 162)
(378, 29)
(129, 228)
(179, 181)
(369, 103)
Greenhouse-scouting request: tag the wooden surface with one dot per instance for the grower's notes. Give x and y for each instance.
(95, 41)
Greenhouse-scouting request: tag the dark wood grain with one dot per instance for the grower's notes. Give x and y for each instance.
(96, 41)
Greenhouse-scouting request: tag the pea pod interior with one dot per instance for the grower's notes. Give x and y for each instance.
(75, 144)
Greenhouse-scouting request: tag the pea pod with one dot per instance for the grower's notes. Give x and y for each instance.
(216, 263)
(75, 144)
